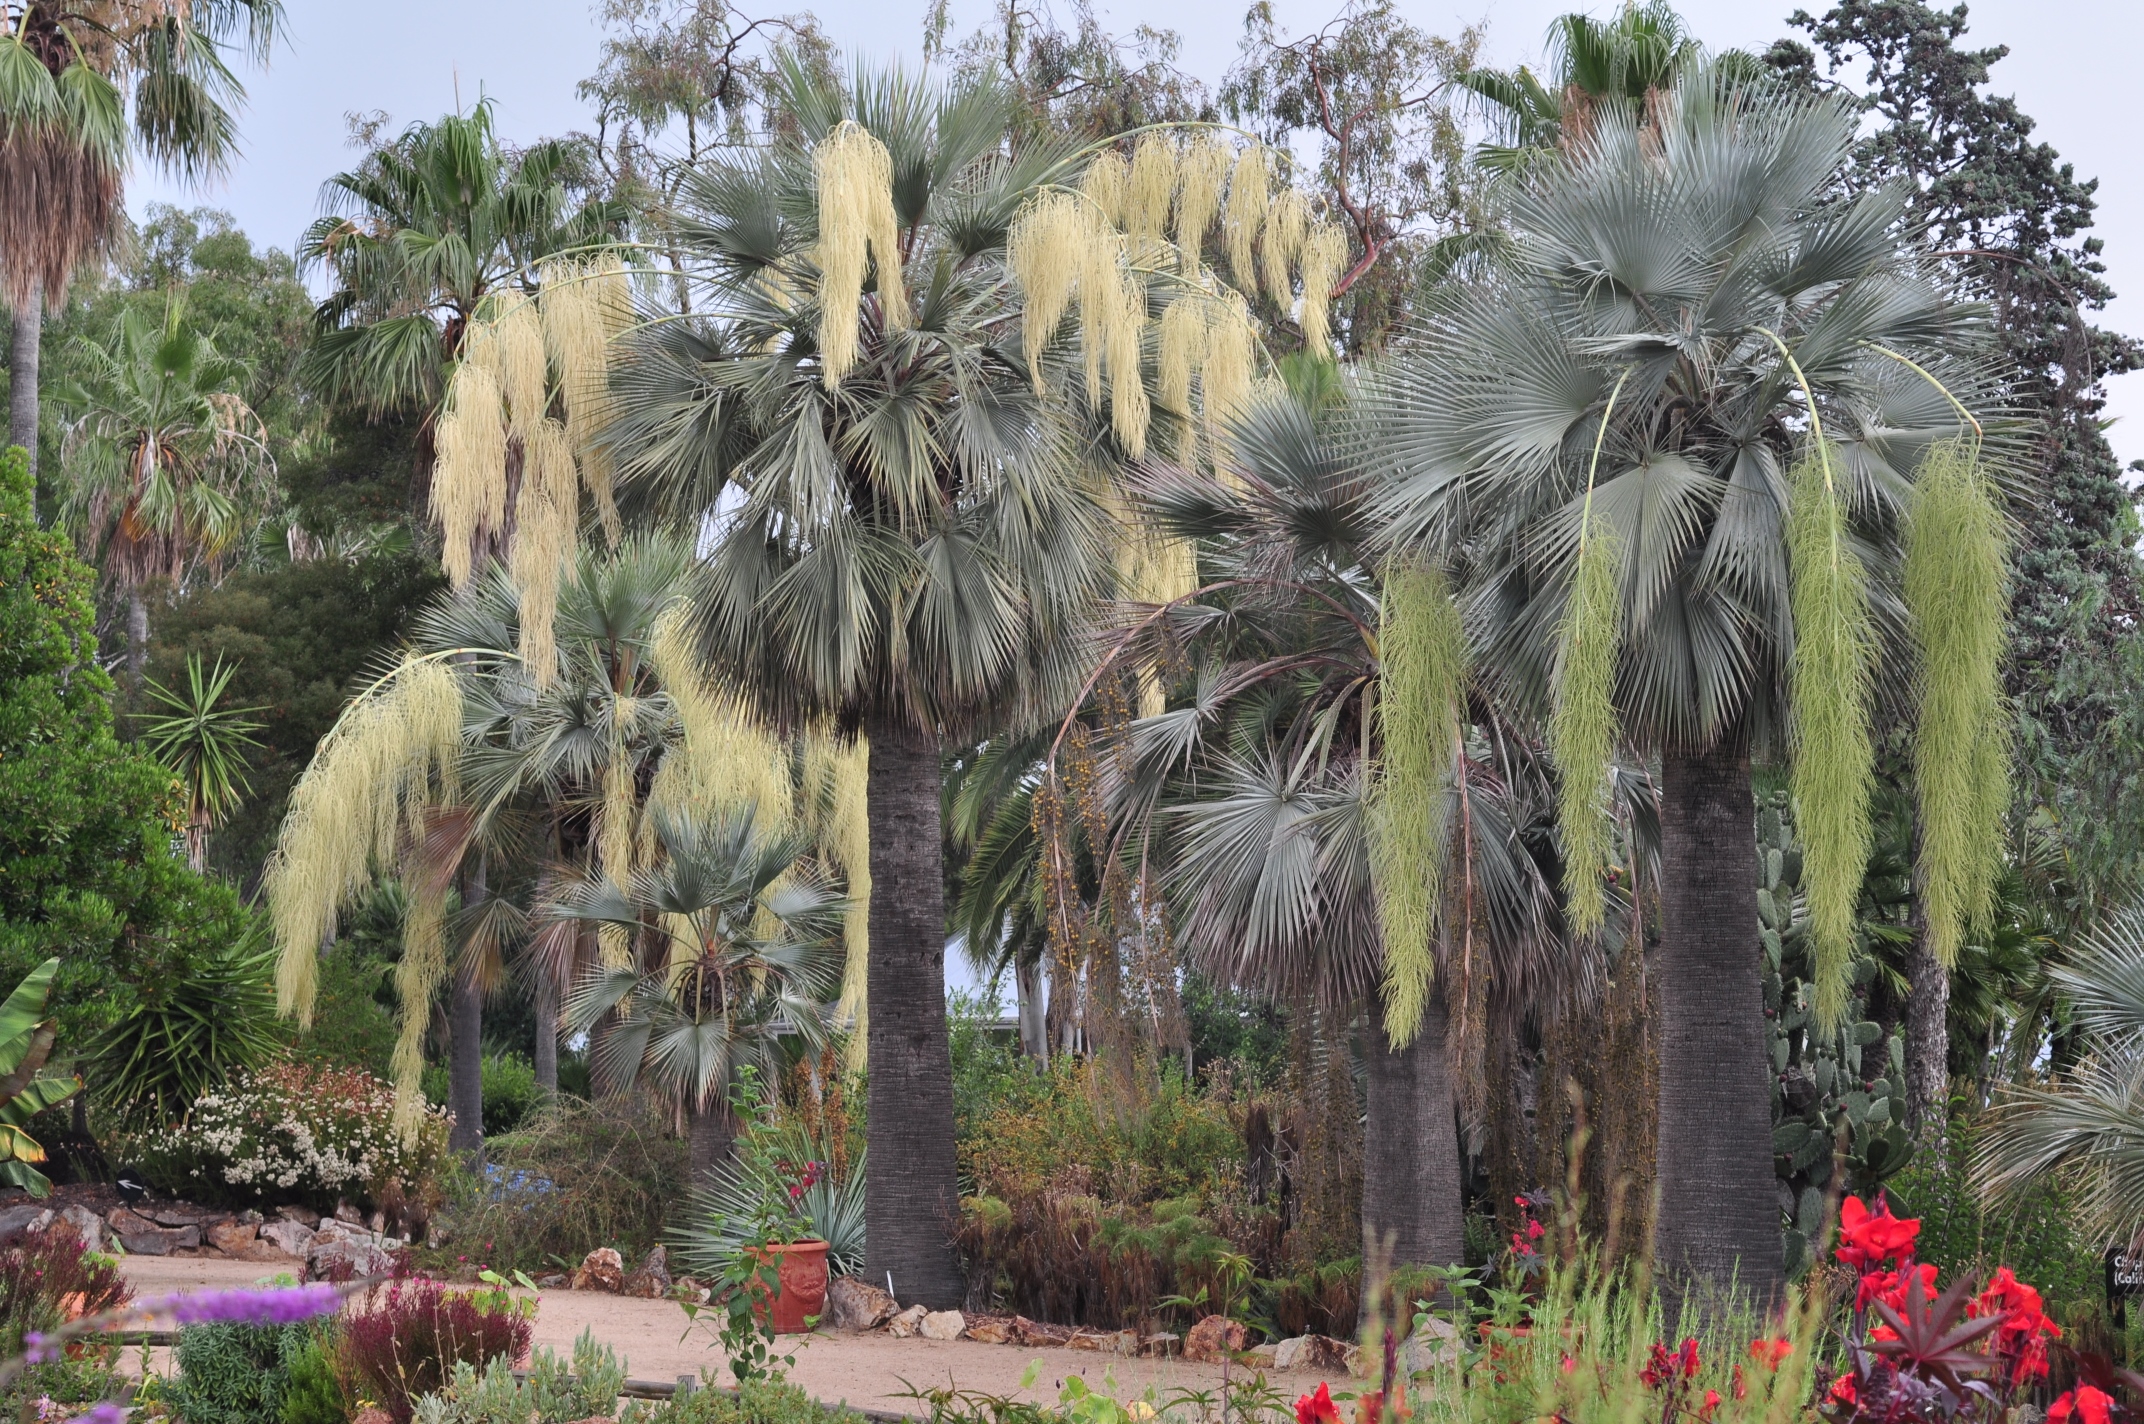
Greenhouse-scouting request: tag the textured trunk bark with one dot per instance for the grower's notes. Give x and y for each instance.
(710, 1140)
(1034, 1031)
(1927, 1040)
(546, 1035)
(25, 345)
(465, 1052)
(1718, 1221)
(137, 633)
(1411, 1188)
(911, 1198)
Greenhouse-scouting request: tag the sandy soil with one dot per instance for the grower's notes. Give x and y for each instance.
(868, 1371)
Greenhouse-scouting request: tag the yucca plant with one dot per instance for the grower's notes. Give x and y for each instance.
(186, 1035)
(1669, 453)
(205, 745)
(719, 1213)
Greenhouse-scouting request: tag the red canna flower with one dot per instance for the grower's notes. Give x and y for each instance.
(1771, 1353)
(1842, 1391)
(1317, 1408)
(2021, 1340)
(2082, 1405)
(1867, 1238)
(1712, 1402)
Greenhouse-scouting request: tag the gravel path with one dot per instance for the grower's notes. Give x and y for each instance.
(867, 1371)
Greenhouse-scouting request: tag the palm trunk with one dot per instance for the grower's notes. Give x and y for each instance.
(1411, 1188)
(137, 633)
(546, 1035)
(465, 1053)
(1927, 1039)
(1718, 1219)
(1034, 1031)
(911, 1196)
(24, 348)
(710, 1140)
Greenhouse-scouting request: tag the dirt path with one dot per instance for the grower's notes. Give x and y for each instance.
(867, 1371)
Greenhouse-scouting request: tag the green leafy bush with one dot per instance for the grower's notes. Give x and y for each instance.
(757, 1402)
(510, 1091)
(1154, 1138)
(235, 1374)
(574, 1175)
(555, 1391)
(312, 1390)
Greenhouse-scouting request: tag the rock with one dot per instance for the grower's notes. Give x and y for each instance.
(689, 1291)
(1292, 1353)
(87, 1225)
(554, 1281)
(143, 1237)
(1214, 1336)
(304, 1216)
(857, 1305)
(249, 1217)
(601, 1270)
(177, 1214)
(232, 1239)
(347, 1213)
(942, 1325)
(990, 1330)
(1161, 1345)
(339, 1259)
(335, 1229)
(1311, 1352)
(652, 1280)
(1259, 1357)
(905, 1323)
(291, 1237)
(1110, 1342)
(1035, 1332)
(1432, 1345)
(19, 1221)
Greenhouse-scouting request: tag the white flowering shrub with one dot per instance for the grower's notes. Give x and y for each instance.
(294, 1132)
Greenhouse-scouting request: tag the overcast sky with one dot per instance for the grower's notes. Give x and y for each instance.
(2069, 67)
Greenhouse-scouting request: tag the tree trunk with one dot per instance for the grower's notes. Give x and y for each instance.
(911, 1197)
(465, 1053)
(546, 1035)
(24, 348)
(710, 1140)
(137, 633)
(1718, 1220)
(1927, 1039)
(1034, 1030)
(1411, 1188)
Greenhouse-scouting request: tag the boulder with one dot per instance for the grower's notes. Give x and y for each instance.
(291, 1237)
(345, 1212)
(1213, 1337)
(907, 1322)
(373, 1414)
(652, 1280)
(689, 1291)
(335, 1258)
(304, 1216)
(1259, 1357)
(1311, 1352)
(1162, 1345)
(177, 1214)
(601, 1270)
(942, 1325)
(1037, 1333)
(990, 1329)
(1107, 1342)
(87, 1225)
(857, 1305)
(1428, 1347)
(554, 1281)
(232, 1238)
(143, 1237)
(19, 1221)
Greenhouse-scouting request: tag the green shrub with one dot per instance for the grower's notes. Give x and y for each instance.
(353, 1007)
(235, 1374)
(555, 1391)
(510, 1092)
(312, 1391)
(759, 1402)
(575, 1175)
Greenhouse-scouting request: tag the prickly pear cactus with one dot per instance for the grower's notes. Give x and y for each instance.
(1838, 1099)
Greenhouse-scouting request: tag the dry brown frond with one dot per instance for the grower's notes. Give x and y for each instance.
(61, 208)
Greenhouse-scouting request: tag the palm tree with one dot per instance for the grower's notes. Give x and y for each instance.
(415, 239)
(1617, 64)
(164, 464)
(1598, 435)
(64, 74)
(736, 942)
(910, 547)
(205, 744)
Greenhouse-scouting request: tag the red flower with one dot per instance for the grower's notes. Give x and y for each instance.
(1869, 1237)
(1663, 1366)
(1313, 1408)
(1533, 1231)
(1890, 1286)
(2083, 1404)
(1741, 1385)
(1712, 1402)
(1771, 1353)
(2022, 1338)
(1842, 1390)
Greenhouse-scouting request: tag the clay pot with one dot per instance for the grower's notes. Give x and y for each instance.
(802, 1292)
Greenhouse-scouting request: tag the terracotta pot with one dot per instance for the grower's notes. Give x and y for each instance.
(801, 1266)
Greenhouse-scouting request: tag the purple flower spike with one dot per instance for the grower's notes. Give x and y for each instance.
(37, 1350)
(108, 1412)
(278, 1306)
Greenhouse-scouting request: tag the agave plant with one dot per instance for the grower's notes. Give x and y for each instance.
(26, 1039)
(719, 1212)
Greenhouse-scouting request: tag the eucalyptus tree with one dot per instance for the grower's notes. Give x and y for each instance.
(735, 942)
(65, 77)
(1686, 461)
(164, 466)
